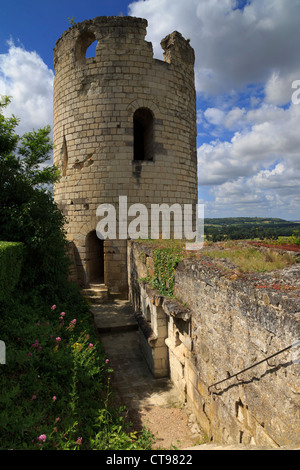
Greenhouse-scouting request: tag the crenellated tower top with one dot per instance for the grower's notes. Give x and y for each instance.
(113, 33)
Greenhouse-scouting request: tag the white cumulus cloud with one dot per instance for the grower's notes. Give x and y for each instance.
(233, 47)
(246, 62)
(29, 82)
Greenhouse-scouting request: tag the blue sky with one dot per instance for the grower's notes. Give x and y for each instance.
(247, 58)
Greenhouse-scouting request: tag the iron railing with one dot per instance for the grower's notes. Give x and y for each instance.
(294, 345)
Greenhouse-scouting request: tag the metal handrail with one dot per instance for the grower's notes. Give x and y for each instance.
(297, 343)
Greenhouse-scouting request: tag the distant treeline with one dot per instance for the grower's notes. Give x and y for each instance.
(237, 228)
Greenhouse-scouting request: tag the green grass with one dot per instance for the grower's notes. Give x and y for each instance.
(251, 259)
(247, 259)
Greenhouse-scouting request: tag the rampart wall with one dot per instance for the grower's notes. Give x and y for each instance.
(218, 324)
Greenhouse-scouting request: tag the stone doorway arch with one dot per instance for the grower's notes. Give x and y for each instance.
(94, 258)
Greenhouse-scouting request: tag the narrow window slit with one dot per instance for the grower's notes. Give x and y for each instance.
(143, 135)
(65, 156)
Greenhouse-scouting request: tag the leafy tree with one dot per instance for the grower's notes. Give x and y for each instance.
(28, 212)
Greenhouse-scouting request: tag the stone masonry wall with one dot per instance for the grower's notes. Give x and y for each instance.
(224, 323)
(94, 104)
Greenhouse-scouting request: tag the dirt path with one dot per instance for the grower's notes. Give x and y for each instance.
(172, 427)
(151, 403)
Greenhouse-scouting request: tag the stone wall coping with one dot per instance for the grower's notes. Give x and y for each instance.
(146, 329)
(171, 307)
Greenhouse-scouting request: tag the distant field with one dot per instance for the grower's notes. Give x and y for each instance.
(237, 228)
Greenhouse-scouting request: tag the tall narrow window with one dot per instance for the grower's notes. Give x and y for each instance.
(143, 134)
(65, 156)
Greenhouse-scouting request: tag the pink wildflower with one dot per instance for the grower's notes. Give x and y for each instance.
(90, 346)
(106, 360)
(53, 307)
(58, 339)
(54, 398)
(62, 314)
(72, 324)
(79, 441)
(33, 397)
(42, 438)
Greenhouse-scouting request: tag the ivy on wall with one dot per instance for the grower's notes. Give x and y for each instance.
(165, 261)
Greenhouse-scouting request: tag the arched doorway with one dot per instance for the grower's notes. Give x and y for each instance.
(94, 258)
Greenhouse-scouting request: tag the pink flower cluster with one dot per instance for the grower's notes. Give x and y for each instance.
(72, 325)
(36, 345)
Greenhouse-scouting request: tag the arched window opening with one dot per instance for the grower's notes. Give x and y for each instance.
(143, 134)
(85, 40)
(94, 258)
(91, 50)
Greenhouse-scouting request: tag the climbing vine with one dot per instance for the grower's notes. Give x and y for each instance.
(165, 261)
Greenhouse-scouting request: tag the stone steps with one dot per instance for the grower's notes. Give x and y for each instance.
(98, 293)
(95, 293)
(114, 316)
(110, 311)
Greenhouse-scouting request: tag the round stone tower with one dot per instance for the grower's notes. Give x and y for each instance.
(124, 125)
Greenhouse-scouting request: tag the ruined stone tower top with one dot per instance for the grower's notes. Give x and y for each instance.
(125, 32)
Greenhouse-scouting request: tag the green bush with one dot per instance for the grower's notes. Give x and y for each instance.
(293, 239)
(28, 212)
(11, 258)
(55, 385)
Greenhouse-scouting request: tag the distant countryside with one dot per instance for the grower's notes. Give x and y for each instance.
(238, 228)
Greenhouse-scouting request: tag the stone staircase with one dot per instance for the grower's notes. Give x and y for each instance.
(96, 293)
(111, 313)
